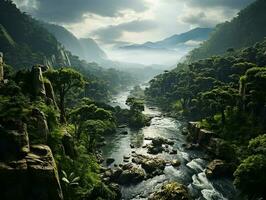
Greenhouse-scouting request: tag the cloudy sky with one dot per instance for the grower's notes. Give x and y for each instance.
(132, 21)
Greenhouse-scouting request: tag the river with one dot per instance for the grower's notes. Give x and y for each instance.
(193, 163)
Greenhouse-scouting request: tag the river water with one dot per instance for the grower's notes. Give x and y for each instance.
(193, 163)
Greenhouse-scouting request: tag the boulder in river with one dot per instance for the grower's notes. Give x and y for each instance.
(131, 175)
(109, 161)
(171, 191)
(218, 168)
(152, 165)
(123, 132)
(156, 146)
(175, 163)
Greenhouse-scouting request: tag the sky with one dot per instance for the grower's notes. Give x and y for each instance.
(118, 22)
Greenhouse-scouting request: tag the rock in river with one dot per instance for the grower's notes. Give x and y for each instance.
(152, 165)
(171, 191)
(218, 168)
(109, 161)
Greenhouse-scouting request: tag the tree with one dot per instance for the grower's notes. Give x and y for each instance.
(218, 99)
(250, 176)
(64, 80)
(136, 105)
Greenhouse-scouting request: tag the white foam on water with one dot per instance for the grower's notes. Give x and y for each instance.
(212, 194)
(196, 164)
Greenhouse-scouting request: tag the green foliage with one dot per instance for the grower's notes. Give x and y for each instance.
(235, 34)
(64, 81)
(258, 145)
(250, 176)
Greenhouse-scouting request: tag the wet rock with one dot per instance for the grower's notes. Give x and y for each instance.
(115, 174)
(192, 146)
(148, 138)
(131, 176)
(123, 132)
(155, 149)
(126, 157)
(122, 126)
(171, 191)
(173, 151)
(218, 168)
(156, 146)
(184, 131)
(158, 141)
(175, 163)
(109, 161)
(152, 165)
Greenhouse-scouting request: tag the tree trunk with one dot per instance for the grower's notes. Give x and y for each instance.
(62, 108)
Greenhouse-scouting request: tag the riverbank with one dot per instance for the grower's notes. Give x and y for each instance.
(190, 172)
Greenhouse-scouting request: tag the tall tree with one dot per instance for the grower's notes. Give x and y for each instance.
(64, 81)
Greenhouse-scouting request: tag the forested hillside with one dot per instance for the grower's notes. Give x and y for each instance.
(244, 30)
(25, 42)
(86, 48)
(23, 38)
(226, 94)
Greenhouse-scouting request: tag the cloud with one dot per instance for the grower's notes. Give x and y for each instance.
(69, 11)
(112, 33)
(233, 4)
(204, 19)
(208, 13)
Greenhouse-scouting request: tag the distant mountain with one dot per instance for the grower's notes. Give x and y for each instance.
(85, 48)
(187, 39)
(244, 30)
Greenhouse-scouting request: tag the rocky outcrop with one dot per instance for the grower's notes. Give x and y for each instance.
(221, 149)
(131, 175)
(152, 165)
(125, 175)
(1, 67)
(218, 168)
(198, 135)
(42, 130)
(14, 141)
(171, 191)
(156, 146)
(42, 87)
(37, 81)
(26, 172)
(68, 144)
(49, 93)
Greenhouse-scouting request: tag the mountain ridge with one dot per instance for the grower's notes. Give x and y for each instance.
(174, 41)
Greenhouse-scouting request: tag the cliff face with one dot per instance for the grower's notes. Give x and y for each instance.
(28, 171)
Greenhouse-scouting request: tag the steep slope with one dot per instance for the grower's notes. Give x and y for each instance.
(91, 50)
(65, 37)
(24, 39)
(85, 48)
(179, 40)
(246, 29)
